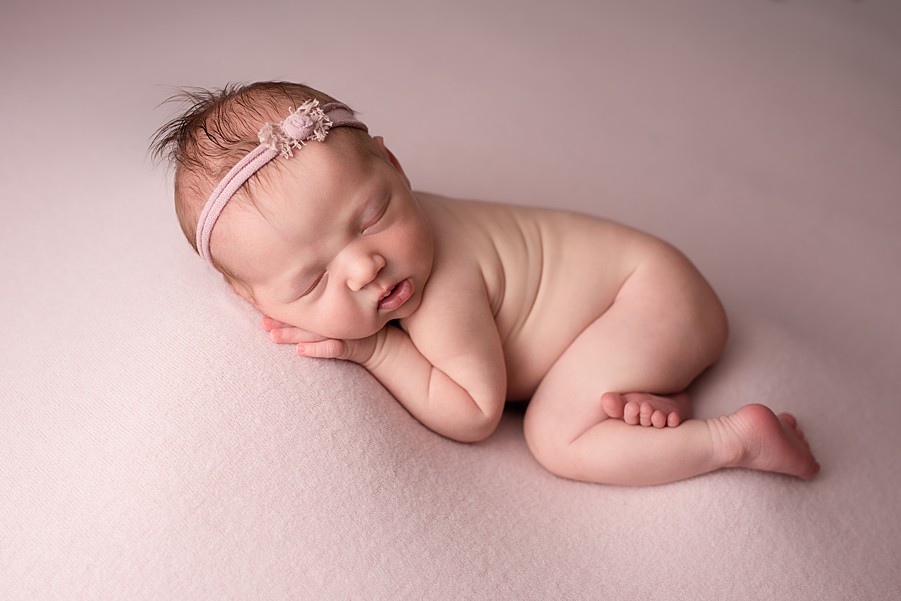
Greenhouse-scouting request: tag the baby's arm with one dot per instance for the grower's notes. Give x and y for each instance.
(449, 372)
(447, 375)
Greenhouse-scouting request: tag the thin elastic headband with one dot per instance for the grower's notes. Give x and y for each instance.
(307, 122)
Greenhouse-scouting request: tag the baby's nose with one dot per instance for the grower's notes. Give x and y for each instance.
(363, 269)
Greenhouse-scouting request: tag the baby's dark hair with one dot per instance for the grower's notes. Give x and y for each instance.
(215, 130)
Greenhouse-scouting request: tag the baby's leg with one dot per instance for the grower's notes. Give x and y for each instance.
(665, 327)
(754, 437)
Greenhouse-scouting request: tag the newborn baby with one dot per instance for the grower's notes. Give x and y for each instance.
(457, 307)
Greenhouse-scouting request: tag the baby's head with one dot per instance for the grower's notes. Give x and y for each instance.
(306, 216)
(217, 129)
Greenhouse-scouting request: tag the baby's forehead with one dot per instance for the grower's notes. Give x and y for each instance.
(297, 201)
(319, 172)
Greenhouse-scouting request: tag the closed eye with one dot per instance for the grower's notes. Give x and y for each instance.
(376, 216)
(320, 279)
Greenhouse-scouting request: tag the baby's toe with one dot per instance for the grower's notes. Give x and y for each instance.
(645, 414)
(631, 414)
(788, 419)
(613, 404)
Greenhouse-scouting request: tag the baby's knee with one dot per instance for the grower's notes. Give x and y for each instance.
(715, 330)
(707, 322)
(548, 445)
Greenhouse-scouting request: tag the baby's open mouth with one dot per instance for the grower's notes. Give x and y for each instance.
(397, 296)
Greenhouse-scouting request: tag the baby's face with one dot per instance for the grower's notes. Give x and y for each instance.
(336, 244)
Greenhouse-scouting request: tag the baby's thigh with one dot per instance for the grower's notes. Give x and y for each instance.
(665, 327)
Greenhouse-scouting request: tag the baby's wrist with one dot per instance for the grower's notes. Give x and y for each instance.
(379, 349)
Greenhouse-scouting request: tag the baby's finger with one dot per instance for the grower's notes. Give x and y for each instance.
(292, 335)
(270, 324)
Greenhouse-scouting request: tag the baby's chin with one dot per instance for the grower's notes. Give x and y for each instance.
(360, 331)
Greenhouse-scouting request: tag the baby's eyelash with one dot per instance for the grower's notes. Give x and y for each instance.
(381, 214)
(314, 285)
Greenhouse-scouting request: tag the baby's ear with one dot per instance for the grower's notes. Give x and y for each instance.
(380, 142)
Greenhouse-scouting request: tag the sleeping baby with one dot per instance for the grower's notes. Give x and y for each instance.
(458, 307)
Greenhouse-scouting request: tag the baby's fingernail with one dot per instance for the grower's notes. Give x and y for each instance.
(300, 349)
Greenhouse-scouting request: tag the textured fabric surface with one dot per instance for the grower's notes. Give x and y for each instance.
(155, 445)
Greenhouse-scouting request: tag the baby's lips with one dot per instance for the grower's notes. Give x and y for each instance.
(398, 296)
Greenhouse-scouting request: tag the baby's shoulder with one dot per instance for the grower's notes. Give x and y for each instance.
(483, 224)
(519, 229)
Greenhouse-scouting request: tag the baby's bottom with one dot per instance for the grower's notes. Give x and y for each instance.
(664, 328)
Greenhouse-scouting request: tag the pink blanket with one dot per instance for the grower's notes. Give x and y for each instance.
(155, 445)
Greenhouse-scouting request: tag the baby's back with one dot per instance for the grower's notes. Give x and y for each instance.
(549, 273)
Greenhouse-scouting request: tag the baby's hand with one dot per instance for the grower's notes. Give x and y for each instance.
(283, 333)
(310, 344)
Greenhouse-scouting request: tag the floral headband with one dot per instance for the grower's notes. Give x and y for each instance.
(308, 122)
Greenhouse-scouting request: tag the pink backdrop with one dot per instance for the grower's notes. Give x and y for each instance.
(154, 445)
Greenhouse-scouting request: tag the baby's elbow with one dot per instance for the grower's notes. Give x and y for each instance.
(482, 426)
(471, 429)
(474, 435)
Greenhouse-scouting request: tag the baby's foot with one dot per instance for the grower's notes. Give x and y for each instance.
(640, 408)
(759, 439)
